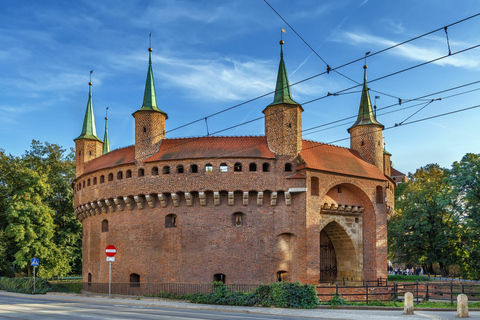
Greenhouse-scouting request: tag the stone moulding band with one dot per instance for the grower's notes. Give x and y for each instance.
(341, 209)
(179, 199)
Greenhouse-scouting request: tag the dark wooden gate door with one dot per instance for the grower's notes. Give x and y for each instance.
(328, 260)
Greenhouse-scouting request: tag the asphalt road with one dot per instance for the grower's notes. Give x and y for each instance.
(18, 306)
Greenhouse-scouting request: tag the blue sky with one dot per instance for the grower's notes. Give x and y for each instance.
(211, 55)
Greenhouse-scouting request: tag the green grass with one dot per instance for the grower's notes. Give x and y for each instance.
(407, 278)
(427, 304)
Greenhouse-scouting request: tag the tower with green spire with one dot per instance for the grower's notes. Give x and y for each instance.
(283, 117)
(106, 143)
(87, 145)
(149, 119)
(366, 132)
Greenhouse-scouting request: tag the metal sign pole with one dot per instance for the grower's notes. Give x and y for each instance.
(33, 279)
(109, 279)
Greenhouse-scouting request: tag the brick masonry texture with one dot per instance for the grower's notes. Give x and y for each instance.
(185, 227)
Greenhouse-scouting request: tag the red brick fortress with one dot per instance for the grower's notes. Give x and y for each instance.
(249, 210)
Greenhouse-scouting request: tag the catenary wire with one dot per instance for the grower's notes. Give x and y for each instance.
(314, 76)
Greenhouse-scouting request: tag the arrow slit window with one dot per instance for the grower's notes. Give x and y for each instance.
(105, 225)
(171, 221)
(238, 219)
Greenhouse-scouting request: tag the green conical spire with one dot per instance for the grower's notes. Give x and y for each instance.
(89, 131)
(282, 90)
(149, 97)
(365, 113)
(106, 143)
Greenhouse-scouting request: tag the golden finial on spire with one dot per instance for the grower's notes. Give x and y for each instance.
(90, 83)
(150, 42)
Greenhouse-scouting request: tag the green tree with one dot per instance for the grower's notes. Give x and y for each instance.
(36, 202)
(30, 223)
(465, 179)
(426, 229)
(59, 168)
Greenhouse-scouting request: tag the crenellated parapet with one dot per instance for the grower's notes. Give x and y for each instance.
(342, 209)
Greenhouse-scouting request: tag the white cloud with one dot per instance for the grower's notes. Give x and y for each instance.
(433, 48)
(396, 27)
(218, 79)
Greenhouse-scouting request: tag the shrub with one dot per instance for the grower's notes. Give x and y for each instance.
(336, 299)
(280, 294)
(70, 287)
(25, 285)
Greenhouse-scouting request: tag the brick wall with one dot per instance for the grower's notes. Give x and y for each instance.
(149, 132)
(283, 129)
(367, 140)
(282, 235)
(86, 150)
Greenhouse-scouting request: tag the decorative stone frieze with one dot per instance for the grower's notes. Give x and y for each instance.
(118, 202)
(128, 201)
(245, 198)
(138, 201)
(175, 199)
(288, 198)
(273, 199)
(260, 198)
(188, 199)
(344, 210)
(203, 198)
(150, 200)
(95, 208)
(102, 206)
(110, 204)
(163, 200)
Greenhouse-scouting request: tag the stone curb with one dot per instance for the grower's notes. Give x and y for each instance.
(169, 303)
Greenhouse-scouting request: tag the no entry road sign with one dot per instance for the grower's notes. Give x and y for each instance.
(110, 251)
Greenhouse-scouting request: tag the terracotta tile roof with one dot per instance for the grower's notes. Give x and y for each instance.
(297, 175)
(395, 173)
(326, 157)
(112, 159)
(213, 147)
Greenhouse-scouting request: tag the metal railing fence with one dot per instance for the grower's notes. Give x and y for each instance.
(385, 291)
(160, 289)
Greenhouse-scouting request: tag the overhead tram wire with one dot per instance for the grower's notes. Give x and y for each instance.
(415, 121)
(396, 72)
(341, 91)
(313, 50)
(306, 131)
(344, 119)
(319, 74)
(232, 154)
(375, 53)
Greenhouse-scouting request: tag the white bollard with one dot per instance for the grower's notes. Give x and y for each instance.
(462, 306)
(408, 309)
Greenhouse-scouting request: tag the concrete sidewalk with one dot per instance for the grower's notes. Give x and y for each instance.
(324, 312)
